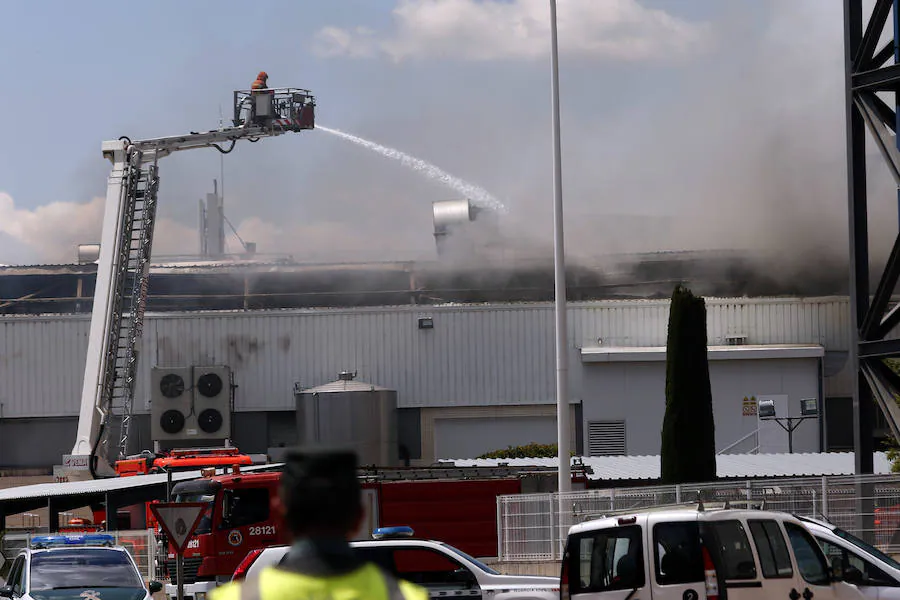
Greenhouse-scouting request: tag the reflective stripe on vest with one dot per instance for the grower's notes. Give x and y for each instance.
(251, 588)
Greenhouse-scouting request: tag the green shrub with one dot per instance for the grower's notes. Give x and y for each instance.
(532, 450)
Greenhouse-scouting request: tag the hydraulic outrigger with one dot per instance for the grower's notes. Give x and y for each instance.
(120, 295)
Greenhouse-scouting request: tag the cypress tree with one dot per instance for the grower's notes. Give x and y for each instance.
(688, 432)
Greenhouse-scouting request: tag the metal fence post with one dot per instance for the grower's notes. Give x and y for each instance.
(825, 496)
(552, 525)
(499, 528)
(677, 493)
(151, 554)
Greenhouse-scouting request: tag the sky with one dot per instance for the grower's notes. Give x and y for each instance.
(686, 124)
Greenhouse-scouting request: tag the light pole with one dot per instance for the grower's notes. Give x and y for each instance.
(559, 273)
(809, 409)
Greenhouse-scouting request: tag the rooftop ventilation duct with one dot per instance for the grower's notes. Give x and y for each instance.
(88, 253)
(452, 218)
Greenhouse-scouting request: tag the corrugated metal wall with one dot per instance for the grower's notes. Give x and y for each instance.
(42, 365)
(475, 355)
(763, 320)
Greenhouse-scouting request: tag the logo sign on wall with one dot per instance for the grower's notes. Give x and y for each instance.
(748, 406)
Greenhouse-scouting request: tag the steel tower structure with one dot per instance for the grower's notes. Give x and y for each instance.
(870, 73)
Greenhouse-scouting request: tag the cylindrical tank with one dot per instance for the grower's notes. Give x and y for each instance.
(351, 414)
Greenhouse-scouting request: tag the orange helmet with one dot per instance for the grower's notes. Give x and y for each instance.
(262, 76)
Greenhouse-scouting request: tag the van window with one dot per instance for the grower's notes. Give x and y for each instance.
(839, 558)
(606, 560)
(810, 559)
(678, 556)
(866, 547)
(774, 557)
(737, 557)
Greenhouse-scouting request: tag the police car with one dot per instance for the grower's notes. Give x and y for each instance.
(80, 567)
(443, 570)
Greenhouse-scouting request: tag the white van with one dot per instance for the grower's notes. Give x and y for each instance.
(697, 553)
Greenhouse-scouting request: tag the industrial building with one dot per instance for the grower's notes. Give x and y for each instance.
(470, 358)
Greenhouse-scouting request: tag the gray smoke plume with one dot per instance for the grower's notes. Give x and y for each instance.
(739, 147)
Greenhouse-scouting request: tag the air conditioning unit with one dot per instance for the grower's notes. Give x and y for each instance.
(212, 402)
(171, 397)
(190, 403)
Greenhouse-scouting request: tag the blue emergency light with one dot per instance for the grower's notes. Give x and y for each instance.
(385, 533)
(87, 539)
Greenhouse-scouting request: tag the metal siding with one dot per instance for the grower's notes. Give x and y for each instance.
(41, 366)
(763, 320)
(475, 355)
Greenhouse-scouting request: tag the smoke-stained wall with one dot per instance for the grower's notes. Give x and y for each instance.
(484, 356)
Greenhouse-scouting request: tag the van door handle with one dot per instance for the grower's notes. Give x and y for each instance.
(794, 595)
(807, 594)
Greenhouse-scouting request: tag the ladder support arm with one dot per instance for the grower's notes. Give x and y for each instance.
(111, 361)
(92, 411)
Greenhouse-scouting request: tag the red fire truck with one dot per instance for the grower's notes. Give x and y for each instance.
(147, 463)
(456, 505)
(189, 459)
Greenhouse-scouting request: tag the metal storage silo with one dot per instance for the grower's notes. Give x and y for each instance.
(351, 414)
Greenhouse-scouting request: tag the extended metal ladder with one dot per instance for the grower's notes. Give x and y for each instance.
(120, 294)
(129, 300)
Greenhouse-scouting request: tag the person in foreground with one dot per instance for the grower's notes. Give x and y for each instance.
(321, 505)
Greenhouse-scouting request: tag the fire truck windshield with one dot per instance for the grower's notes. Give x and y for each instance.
(205, 525)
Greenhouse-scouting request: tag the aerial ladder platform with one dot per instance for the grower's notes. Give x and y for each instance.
(120, 295)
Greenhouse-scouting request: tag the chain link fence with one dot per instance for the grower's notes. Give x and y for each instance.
(533, 527)
(141, 544)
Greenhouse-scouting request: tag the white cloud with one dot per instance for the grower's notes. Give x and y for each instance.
(334, 41)
(52, 232)
(519, 29)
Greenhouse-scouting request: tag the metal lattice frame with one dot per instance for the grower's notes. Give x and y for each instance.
(868, 78)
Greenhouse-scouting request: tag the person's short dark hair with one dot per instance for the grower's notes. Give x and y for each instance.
(320, 489)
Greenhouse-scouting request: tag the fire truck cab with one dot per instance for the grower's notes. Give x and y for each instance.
(238, 518)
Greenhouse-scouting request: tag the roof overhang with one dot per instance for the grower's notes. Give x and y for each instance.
(728, 466)
(73, 494)
(621, 354)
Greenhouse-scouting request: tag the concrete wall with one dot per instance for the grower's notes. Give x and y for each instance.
(473, 436)
(472, 431)
(256, 432)
(36, 443)
(635, 392)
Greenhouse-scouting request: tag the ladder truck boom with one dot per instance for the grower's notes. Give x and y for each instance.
(120, 294)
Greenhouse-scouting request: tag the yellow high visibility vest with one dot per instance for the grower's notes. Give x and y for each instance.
(368, 582)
